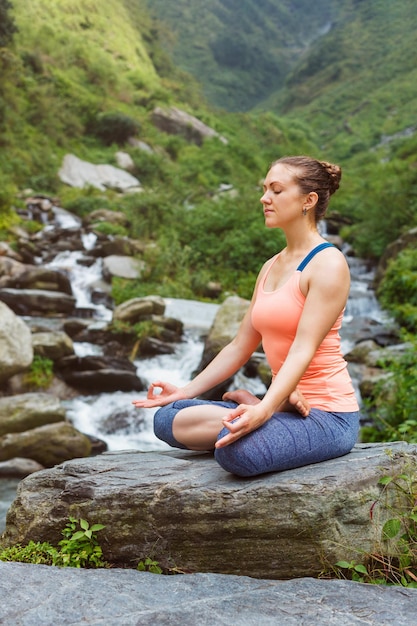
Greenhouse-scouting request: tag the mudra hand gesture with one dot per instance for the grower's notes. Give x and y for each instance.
(169, 393)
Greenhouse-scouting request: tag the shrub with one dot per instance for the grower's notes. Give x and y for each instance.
(394, 414)
(113, 128)
(398, 289)
(79, 548)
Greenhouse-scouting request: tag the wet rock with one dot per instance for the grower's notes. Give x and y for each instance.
(99, 374)
(136, 309)
(29, 410)
(48, 445)
(19, 468)
(37, 301)
(53, 344)
(16, 352)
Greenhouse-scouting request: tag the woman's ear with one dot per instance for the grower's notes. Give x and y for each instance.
(311, 200)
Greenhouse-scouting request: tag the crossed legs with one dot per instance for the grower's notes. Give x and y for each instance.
(197, 427)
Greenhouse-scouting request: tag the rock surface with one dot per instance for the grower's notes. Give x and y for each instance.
(29, 410)
(47, 445)
(78, 173)
(16, 352)
(177, 122)
(121, 597)
(185, 511)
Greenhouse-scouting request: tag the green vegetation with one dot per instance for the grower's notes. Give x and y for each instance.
(393, 560)
(242, 50)
(79, 548)
(149, 565)
(40, 373)
(398, 289)
(393, 406)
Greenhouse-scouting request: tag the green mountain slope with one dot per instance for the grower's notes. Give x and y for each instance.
(241, 50)
(69, 63)
(361, 75)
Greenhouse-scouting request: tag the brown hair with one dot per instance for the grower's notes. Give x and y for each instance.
(313, 175)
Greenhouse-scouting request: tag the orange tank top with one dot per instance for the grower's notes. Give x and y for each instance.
(326, 384)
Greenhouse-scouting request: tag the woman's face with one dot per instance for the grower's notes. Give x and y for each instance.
(282, 199)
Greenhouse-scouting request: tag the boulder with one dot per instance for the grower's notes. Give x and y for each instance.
(54, 344)
(16, 352)
(38, 301)
(124, 160)
(122, 267)
(78, 173)
(30, 277)
(120, 597)
(106, 215)
(177, 122)
(47, 445)
(186, 512)
(136, 309)
(19, 468)
(29, 410)
(222, 331)
(99, 374)
(122, 246)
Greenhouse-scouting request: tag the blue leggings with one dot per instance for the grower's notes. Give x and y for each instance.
(284, 442)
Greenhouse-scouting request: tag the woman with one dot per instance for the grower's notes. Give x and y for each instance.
(309, 413)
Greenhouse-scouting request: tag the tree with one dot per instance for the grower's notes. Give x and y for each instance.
(7, 24)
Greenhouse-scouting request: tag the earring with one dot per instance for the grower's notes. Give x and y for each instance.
(304, 211)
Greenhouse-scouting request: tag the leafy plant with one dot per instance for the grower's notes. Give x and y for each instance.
(40, 373)
(34, 552)
(79, 548)
(393, 407)
(149, 565)
(393, 560)
(398, 289)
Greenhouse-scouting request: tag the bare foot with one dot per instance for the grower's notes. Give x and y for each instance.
(296, 402)
(240, 396)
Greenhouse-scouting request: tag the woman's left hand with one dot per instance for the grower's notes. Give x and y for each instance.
(242, 420)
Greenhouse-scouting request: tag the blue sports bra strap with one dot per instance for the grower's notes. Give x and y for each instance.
(313, 252)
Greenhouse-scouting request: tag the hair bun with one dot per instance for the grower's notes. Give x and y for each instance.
(335, 174)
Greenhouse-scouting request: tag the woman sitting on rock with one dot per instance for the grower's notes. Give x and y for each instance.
(309, 413)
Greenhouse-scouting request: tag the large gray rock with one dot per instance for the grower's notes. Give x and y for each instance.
(120, 597)
(185, 511)
(177, 122)
(224, 327)
(16, 352)
(78, 173)
(122, 267)
(29, 410)
(31, 277)
(136, 309)
(37, 301)
(47, 445)
(52, 344)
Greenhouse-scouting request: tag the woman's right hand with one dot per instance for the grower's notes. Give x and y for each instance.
(168, 393)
